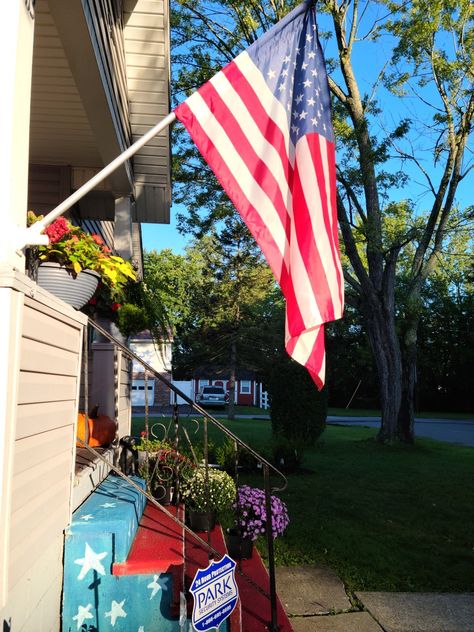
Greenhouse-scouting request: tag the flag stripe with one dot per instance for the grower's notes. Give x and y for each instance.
(265, 166)
(317, 243)
(245, 190)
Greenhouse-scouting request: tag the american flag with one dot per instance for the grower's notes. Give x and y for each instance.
(263, 124)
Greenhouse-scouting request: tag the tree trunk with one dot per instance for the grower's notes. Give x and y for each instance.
(406, 416)
(233, 371)
(386, 350)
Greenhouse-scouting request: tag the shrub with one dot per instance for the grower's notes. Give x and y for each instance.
(298, 409)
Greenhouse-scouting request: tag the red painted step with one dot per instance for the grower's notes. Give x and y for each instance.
(158, 545)
(253, 583)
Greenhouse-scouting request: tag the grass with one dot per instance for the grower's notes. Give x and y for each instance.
(384, 518)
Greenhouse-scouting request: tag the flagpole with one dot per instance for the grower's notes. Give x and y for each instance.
(31, 236)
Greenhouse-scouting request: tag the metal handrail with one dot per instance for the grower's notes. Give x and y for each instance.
(193, 404)
(266, 466)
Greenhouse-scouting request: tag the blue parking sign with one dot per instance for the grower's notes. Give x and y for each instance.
(215, 594)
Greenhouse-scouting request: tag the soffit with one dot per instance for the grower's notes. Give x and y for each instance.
(146, 41)
(60, 133)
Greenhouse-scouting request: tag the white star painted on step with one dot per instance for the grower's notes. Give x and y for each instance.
(90, 561)
(116, 611)
(86, 517)
(154, 585)
(141, 629)
(82, 615)
(107, 505)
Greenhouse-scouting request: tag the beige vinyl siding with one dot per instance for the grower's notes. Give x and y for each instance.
(45, 357)
(44, 447)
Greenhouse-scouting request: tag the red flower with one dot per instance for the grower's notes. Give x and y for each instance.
(115, 306)
(57, 230)
(98, 240)
(93, 301)
(142, 433)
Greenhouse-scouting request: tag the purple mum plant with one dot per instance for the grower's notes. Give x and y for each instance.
(252, 515)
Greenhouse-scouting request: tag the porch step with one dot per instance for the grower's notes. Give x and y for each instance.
(158, 546)
(253, 583)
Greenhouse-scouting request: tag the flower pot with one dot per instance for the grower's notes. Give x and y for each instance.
(200, 521)
(73, 290)
(239, 548)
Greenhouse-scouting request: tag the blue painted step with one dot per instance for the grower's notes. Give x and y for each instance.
(101, 534)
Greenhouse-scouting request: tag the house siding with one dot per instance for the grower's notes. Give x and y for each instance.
(49, 343)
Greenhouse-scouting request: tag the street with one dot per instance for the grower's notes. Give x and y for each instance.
(450, 430)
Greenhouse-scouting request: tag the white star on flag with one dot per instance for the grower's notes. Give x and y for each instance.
(83, 614)
(154, 585)
(116, 611)
(90, 561)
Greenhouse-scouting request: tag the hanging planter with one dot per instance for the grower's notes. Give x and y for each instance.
(75, 290)
(73, 262)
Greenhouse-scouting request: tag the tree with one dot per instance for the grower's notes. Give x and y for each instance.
(430, 60)
(220, 321)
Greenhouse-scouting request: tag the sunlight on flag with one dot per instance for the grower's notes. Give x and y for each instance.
(263, 124)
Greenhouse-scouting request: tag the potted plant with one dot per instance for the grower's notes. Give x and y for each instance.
(205, 496)
(251, 520)
(72, 254)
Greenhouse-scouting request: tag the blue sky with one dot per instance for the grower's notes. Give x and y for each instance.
(160, 236)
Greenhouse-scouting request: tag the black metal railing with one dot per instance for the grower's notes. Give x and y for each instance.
(175, 426)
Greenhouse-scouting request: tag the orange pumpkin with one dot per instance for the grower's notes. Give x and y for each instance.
(102, 430)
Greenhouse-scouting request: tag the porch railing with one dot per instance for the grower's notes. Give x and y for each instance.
(267, 468)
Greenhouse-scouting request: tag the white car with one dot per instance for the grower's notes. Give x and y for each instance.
(212, 396)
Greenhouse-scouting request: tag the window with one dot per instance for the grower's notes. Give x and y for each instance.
(202, 383)
(245, 387)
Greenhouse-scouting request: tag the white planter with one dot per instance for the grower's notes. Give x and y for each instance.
(75, 291)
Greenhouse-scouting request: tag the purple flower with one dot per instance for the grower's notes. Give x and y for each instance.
(251, 512)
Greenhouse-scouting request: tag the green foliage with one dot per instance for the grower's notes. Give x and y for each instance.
(298, 410)
(220, 328)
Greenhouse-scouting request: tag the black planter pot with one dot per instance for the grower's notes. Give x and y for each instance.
(239, 548)
(202, 521)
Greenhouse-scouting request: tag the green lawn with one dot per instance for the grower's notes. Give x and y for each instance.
(383, 518)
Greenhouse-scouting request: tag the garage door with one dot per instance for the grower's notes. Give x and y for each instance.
(138, 393)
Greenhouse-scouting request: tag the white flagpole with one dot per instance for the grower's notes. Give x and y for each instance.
(31, 236)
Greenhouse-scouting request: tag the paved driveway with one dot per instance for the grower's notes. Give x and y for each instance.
(450, 430)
